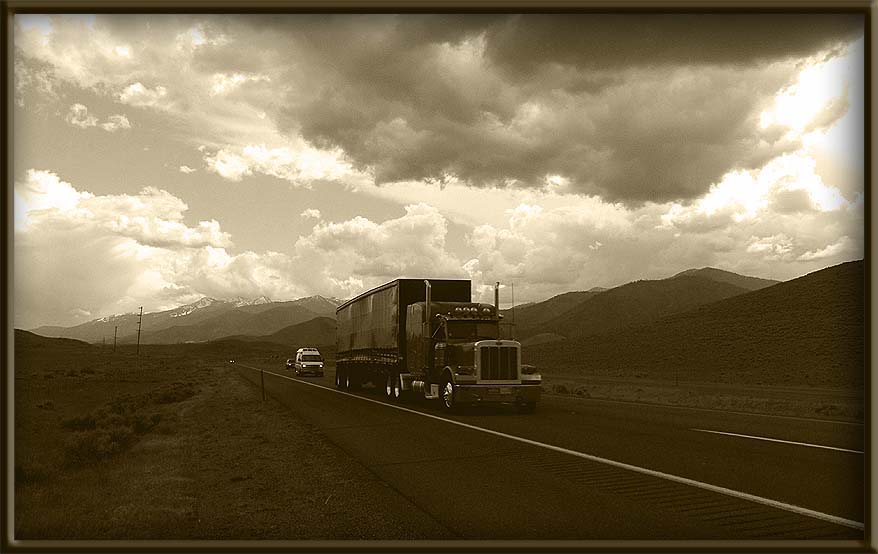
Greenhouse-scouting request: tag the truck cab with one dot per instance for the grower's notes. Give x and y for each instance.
(455, 353)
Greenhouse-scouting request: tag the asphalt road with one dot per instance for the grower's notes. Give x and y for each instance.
(592, 469)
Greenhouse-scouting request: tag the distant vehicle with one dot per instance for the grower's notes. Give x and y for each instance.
(308, 361)
(291, 363)
(428, 337)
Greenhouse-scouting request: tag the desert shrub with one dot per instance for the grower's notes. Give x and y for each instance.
(46, 405)
(88, 371)
(142, 423)
(167, 425)
(80, 423)
(30, 471)
(582, 391)
(86, 447)
(71, 373)
(560, 389)
(176, 392)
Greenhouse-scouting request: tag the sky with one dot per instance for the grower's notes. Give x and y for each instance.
(158, 159)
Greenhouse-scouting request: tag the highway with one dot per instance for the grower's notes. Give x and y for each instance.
(596, 470)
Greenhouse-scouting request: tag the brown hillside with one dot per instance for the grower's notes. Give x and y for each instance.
(804, 332)
(638, 303)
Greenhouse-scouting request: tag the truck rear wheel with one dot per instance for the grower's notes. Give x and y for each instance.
(339, 376)
(393, 388)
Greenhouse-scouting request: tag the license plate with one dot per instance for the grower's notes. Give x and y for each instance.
(505, 390)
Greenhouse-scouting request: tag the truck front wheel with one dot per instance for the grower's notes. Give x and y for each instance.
(448, 390)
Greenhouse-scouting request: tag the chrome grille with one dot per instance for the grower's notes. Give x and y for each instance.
(499, 362)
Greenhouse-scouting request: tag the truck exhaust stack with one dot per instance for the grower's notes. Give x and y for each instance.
(427, 283)
(497, 296)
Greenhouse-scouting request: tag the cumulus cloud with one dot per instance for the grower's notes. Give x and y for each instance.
(116, 122)
(145, 254)
(78, 116)
(310, 213)
(226, 82)
(138, 247)
(138, 95)
(361, 251)
(299, 164)
(186, 169)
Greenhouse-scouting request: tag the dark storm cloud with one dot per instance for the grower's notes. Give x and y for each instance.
(632, 107)
(523, 43)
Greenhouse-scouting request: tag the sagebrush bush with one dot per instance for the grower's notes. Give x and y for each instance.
(86, 447)
(176, 392)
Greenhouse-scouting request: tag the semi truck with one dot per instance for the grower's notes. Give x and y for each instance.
(426, 337)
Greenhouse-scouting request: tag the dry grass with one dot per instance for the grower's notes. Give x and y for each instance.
(176, 445)
(797, 402)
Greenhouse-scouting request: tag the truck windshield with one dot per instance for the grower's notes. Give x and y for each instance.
(472, 330)
(311, 358)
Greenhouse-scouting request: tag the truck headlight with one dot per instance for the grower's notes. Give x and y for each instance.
(527, 369)
(466, 370)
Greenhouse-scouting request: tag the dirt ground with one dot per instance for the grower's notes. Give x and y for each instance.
(172, 447)
(811, 402)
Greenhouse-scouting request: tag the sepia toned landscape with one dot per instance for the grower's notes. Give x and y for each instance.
(574, 279)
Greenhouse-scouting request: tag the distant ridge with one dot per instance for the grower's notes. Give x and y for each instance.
(638, 302)
(319, 331)
(807, 331)
(722, 276)
(26, 339)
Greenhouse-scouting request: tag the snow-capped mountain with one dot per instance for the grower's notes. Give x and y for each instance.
(205, 319)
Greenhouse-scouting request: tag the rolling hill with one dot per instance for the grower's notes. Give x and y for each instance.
(319, 331)
(637, 303)
(27, 340)
(807, 331)
(530, 317)
(573, 314)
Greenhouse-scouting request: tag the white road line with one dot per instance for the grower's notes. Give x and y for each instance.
(778, 440)
(661, 475)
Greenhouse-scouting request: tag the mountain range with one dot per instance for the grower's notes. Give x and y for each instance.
(206, 319)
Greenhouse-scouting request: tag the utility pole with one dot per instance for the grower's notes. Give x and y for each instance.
(139, 325)
(512, 290)
(115, 330)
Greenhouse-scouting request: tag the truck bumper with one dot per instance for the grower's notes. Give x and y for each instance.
(497, 394)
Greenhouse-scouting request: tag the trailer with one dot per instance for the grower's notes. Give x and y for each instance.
(426, 337)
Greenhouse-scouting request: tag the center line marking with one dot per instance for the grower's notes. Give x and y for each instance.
(651, 472)
(779, 440)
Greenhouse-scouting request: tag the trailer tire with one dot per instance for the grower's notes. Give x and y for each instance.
(446, 394)
(388, 385)
(393, 389)
(339, 376)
